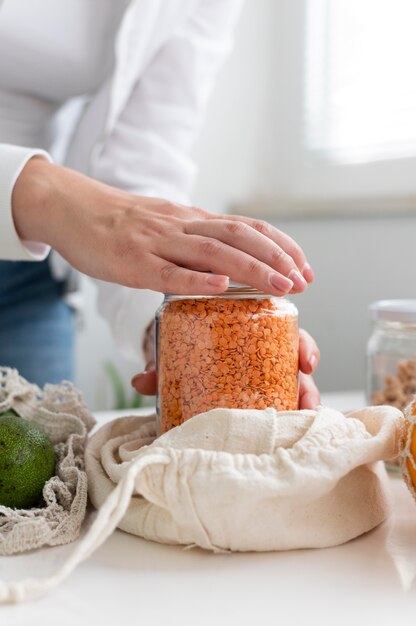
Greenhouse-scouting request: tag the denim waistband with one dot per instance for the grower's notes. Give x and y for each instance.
(25, 281)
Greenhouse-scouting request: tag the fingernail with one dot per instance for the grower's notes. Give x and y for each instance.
(308, 273)
(312, 362)
(218, 281)
(137, 378)
(298, 281)
(281, 283)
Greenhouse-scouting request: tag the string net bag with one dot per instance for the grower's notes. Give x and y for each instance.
(408, 448)
(61, 413)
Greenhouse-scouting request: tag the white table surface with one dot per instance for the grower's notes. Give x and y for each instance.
(132, 581)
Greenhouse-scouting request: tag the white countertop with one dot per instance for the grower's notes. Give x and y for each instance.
(133, 581)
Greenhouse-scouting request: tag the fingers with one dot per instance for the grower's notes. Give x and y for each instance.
(283, 240)
(309, 354)
(168, 277)
(204, 253)
(241, 236)
(145, 382)
(186, 251)
(309, 396)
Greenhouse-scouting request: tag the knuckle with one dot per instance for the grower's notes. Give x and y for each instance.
(253, 266)
(175, 277)
(313, 385)
(279, 256)
(210, 247)
(236, 228)
(308, 339)
(190, 281)
(126, 252)
(308, 383)
(262, 227)
(296, 252)
(126, 246)
(168, 272)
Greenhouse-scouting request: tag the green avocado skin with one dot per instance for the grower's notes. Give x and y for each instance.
(27, 461)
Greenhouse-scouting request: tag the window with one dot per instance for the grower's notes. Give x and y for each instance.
(361, 79)
(345, 118)
(319, 107)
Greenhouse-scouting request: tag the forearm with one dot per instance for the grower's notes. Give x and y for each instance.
(32, 200)
(48, 197)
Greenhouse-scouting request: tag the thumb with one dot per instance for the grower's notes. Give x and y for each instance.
(146, 382)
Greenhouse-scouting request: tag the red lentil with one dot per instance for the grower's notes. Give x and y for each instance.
(226, 352)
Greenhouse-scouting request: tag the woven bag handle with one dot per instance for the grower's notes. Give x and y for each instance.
(109, 515)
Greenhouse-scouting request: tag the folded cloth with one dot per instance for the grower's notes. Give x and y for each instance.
(236, 480)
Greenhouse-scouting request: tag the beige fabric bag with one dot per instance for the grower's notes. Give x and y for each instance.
(236, 480)
(61, 413)
(250, 480)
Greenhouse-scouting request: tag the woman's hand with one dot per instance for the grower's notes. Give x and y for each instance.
(151, 243)
(309, 356)
(146, 382)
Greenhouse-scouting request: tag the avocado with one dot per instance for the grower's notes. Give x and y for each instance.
(27, 461)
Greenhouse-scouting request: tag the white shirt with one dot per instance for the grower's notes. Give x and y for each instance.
(80, 33)
(145, 69)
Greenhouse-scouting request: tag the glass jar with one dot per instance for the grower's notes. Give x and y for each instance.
(391, 355)
(235, 350)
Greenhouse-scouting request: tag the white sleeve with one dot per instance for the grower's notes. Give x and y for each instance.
(148, 151)
(129, 312)
(12, 248)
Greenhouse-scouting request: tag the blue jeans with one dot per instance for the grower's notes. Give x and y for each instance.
(36, 325)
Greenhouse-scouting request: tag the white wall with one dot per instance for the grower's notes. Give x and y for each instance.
(356, 261)
(241, 155)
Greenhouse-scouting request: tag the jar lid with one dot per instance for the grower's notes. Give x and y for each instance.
(394, 311)
(242, 288)
(234, 286)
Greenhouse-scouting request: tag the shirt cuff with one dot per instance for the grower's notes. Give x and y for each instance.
(12, 248)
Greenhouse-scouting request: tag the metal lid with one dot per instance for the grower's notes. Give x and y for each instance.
(394, 311)
(233, 286)
(234, 290)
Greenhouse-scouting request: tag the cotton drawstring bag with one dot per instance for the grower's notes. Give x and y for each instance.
(236, 480)
(250, 480)
(61, 413)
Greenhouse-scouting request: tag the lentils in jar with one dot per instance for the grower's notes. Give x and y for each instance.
(236, 350)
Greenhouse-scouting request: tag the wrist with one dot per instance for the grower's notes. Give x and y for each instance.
(32, 200)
